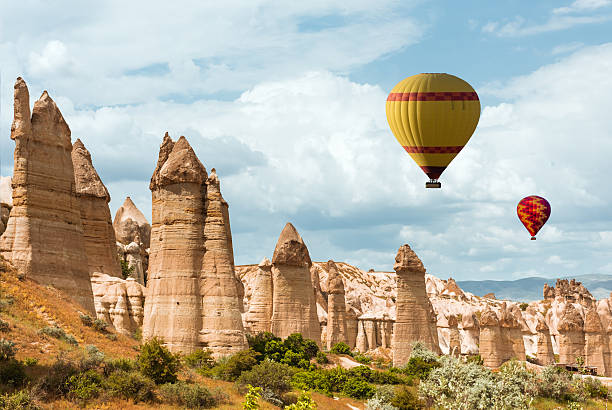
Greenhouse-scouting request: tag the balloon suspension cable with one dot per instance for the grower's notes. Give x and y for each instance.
(433, 183)
(533, 238)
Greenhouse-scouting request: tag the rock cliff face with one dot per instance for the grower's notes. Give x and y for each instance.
(257, 318)
(222, 329)
(192, 294)
(596, 350)
(571, 335)
(493, 350)
(294, 306)
(98, 230)
(133, 234)
(44, 238)
(119, 302)
(415, 319)
(570, 291)
(545, 354)
(336, 312)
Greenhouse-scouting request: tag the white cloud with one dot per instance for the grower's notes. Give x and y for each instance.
(566, 48)
(582, 5)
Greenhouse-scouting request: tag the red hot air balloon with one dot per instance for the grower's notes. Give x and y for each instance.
(533, 211)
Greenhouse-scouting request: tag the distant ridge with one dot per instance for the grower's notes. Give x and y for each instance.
(530, 289)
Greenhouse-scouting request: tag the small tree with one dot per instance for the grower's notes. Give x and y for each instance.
(157, 362)
(126, 269)
(252, 397)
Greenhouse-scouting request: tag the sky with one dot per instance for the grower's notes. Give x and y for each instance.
(287, 101)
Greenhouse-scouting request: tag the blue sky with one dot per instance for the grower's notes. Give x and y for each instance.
(286, 100)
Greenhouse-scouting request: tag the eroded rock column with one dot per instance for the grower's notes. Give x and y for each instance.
(336, 312)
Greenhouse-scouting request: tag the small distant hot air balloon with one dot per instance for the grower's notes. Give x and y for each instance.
(433, 115)
(533, 211)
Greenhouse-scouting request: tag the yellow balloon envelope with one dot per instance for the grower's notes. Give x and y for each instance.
(433, 116)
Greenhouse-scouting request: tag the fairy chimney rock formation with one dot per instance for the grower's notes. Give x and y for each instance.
(294, 307)
(511, 333)
(222, 330)
(544, 354)
(95, 215)
(336, 311)
(257, 319)
(454, 342)
(571, 335)
(131, 225)
(492, 347)
(596, 351)
(415, 320)
(44, 237)
(192, 295)
(173, 304)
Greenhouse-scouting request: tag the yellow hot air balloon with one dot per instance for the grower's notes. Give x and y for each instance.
(433, 116)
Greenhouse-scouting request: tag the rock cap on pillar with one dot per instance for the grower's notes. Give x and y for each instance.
(290, 248)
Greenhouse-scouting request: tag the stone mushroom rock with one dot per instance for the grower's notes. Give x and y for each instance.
(294, 308)
(98, 230)
(222, 329)
(44, 237)
(336, 313)
(493, 348)
(511, 332)
(596, 350)
(544, 354)
(571, 335)
(470, 333)
(173, 305)
(415, 320)
(258, 317)
(454, 344)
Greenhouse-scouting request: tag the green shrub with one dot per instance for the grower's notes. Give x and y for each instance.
(251, 400)
(304, 402)
(21, 400)
(12, 373)
(111, 336)
(322, 358)
(85, 386)
(100, 325)
(524, 306)
(93, 358)
(363, 359)
(420, 351)
(86, 319)
(54, 382)
(417, 367)
(358, 389)
(296, 343)
(270, 376)
(476, 359)
(126, 269)
(591, 387)
(7, 350)
(110, 366)
(137, 335)
(192, 396)
(200, 359)
(381, 399)
(4, 326)
(130, 385)
(260, 340)
(404, 399)
(555, 383)
(157, 362)
(30, 361)
(58, 333)
(229, 368)
(341, 348)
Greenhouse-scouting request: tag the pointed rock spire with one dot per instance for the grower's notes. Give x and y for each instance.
(88, 182)
(290, 248)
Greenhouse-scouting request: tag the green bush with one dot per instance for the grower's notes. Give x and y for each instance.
(192, 396)
(85, 386)
(591, 387)
(341, 348)
(322, 358)
(200, 359)
(30, 361)
(4, 326)
(270, 376)
(86, 320)
(555, 383)
(55, 382)
(404, 399)
(126, 269)
(157, 362)
(524, 306)
(420, 351)
(251, 400)
(21, 400)
(296, 343)
(260, 340)
(93, 358)
(363, 359)
(304, 402)
(110, 366)
(381, 399)
(58, 333)
(419, 368)
(229, 368)
(130, 385)
(12, 373)
(358, 388)
(476, 359)
(7, 350)
(100, 325)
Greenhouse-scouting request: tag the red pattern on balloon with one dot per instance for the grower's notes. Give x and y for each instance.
(533, 211)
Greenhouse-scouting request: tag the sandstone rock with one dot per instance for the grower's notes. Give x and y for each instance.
(489, 296)
(294, 308)
(570, 291)
(258, 317)
(118, 302)
(571, 335)
(596, 350)
(136, 258)
(336, 316)
(351, 327)
(44, 236)
(6, 191)
(222, 329)
(95, 215)
(545, 355)
(492, 347)
(511, 331)
(415, 319)
(131, 225)
(173, 306)
(453, 290)
(548, 292)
